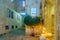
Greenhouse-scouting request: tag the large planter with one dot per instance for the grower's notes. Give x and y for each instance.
(37, 30)
(30, 25)
(28, 30)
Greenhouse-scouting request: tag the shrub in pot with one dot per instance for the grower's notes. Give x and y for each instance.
(28, 20)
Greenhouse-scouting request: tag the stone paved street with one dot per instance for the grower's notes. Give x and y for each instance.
(12, 35)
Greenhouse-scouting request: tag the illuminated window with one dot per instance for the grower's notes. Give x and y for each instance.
(23, 3)
(33, 12)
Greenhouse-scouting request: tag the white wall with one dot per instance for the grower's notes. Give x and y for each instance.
(32, 4)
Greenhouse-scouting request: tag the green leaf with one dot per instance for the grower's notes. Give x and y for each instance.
(28, 20)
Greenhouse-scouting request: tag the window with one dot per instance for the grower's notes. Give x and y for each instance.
(23, 14)
(16, 26)
(21, 3)
(10, 13)
(33, 12)
(6, 27)
(12, 27)
(18, 17)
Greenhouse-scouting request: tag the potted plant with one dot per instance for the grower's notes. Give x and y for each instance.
(28, 20)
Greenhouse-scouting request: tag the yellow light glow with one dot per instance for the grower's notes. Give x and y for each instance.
(52, 10)
(45, 33)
